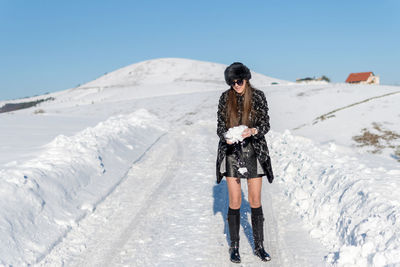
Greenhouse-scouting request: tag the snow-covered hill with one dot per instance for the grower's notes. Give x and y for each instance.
(169, 70)
(72, 168)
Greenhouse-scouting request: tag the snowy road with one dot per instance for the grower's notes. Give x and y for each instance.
(168, 211)
(124, 175)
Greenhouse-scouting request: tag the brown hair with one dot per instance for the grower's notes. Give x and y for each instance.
(232, 116)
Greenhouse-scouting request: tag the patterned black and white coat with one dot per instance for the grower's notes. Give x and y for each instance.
(260, 121)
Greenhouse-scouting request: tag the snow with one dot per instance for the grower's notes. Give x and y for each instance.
(349, 206)
(74, 173)
(121, 172)
(242, 170)
(168, 70)
(234, 134)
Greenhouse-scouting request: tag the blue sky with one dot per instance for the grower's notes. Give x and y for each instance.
(48, 46)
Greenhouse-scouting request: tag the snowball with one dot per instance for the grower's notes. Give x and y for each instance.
(242, 170)
(234, 134)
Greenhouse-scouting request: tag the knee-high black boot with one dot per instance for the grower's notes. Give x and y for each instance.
(234, 226)
(257, 222)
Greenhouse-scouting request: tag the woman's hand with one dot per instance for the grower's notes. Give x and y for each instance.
(249, 132)
(229, 142)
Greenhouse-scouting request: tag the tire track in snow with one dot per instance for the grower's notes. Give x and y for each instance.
(155, 237)
(168, 176)
(271, 238)
(104, 251)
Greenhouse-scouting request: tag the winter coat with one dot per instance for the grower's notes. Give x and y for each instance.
(260, 122)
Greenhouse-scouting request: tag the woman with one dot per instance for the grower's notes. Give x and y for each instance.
(242, 104)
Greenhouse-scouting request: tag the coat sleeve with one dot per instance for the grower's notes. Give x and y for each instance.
(221, 118)
(262, 125)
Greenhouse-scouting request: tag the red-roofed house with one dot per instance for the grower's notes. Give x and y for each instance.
(363, 77)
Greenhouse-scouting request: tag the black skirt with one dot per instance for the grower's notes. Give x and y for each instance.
(241, 160)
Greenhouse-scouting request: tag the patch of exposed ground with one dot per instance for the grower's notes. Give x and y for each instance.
(378, 138)
(22, 105)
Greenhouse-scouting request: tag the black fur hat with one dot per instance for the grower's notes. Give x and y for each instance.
(236, 71)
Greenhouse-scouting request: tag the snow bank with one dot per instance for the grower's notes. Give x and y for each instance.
(352, 208)
(44, 197)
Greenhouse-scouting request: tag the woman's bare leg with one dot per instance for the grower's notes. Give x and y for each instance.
(254, 187)
(235, 192)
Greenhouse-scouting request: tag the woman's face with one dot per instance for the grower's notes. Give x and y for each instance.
(239, 88)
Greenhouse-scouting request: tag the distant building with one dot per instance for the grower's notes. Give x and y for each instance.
(363, 77)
